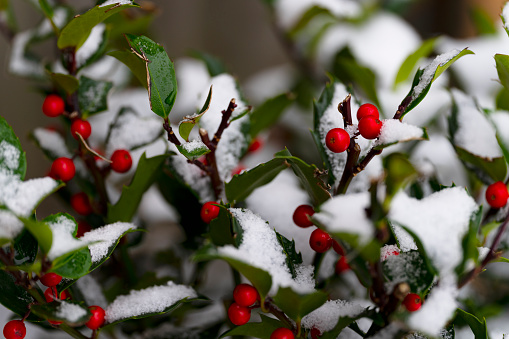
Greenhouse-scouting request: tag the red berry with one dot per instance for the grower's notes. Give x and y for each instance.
(239, 315)
(54, 322)
(370, 127)
(62, 169)
(83, 227)
(337, 247)
(97, 318)
(209, 211)
(121, 161)
(315, 333)
(320, 241)
(49, 295)
(497, 194)
(302, 214)
(342, 265)
(255, 145)
(15, 329)
(237, 170)
(81, 204)
(53, 106)
(412, 302)
(282, 333)
(337, 140)
(245, 295)
(82, 127)
(367, 110)
(51, 279)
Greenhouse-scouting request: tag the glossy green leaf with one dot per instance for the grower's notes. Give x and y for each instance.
(160, 74)
(307, 175)
(7, 136)
(73, 265)
(296, 305)
(426, 76)
(213, 64)
(66, 82)
(243, 184)
(41, 231)
(269, 112)
(495, 168)
(188, 123)
(478, 327)
(195, 152)
(76, 32)
(411, 268)
(293, 259)
(58, 310)
(259, 278)
(220, 229)
(12, 296)
(502, 63)
(25, 248)
(146, 173)
(411, 61)
(261, 330)
(502, 99)
(135, 64)
(93, 95)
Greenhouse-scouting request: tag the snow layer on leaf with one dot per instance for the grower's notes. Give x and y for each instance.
(233, 141)
(91, 45)
(505, 16)
(429, 71)
(289, 12)
(437, 310)
(193, 145)
(471, 122)
(63, 239)
(107, 236)
(120, 2)
(326, 316)
(10, 225)
(439, 221)
(91, 291)
(394, 131)
(347, 213)
(70, 312)
(260, 248)
(52, 142)
(387, 251)
(149, 300)
(9, 155)
(501, 120)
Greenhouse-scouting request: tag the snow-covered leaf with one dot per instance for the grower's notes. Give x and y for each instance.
(12, 157)
(93, 95)
(70, 312)
(394, 132)
(408, 267)
(297, 305)
(222, 230)
(193, 150)
(293, 259)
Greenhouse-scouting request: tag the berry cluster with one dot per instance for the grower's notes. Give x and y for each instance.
(245, 297)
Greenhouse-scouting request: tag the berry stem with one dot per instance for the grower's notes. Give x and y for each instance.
(353, 155)
(345, 108)
(271, 308)
(227, 113)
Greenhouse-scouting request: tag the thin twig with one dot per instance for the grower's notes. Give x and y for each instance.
(224, 124)
(90, 149)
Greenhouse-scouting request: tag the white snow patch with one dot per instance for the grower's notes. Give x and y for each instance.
(347, 213)
(501, 120)
(387, 251)
(326, 316)
(52, 142)
(10, 226)
(471, 122)
(505, 16)
(107, 236)
(92, 291)
(91, 45)
(149, 300)
(70, 312)
(119, 2)
(260, 248)
(9, 155)
(193, 145)
(394, 130)
(439, 220)
(63, 239)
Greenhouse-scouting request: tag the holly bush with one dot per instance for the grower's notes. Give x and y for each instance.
(201, 207)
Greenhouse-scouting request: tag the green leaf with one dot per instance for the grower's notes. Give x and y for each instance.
(187, 125)
(483, 21)
(243, 184)
(93, 95)
(502, 100)
(66, 82)
(308, 178)
(411, 61)
(25, 248)
(73, 265)
(160, 73)
(411, 268)
(307, 17)
(269, 112)
(262, 330)
(13, 296)
(46, 8)
(399, 172)
(502, 63)
(297, 305)
(193, 152)
(7, 136)
(58, 310)
(342, 323)
(485, 168)
(213, 64)
(469, 242)
(41, 231)
(426, 76)
(135, 64)
(220, 229)
(478, 327)
(293, 259)
(76, 32)
(259, 278)
(146, 173)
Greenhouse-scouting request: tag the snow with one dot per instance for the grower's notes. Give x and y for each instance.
(149, 300)
(347, 214)
(91, 45)
(475, 134)
(52, 142)
(70, 312)
(9, 155)
(439, 221)
(394, 131)
(119, 2)
(269, 83)
(91, 291)
(429, 71)
(501, 119)
(260, 248)
(387, 251)
(11, 226)
(194, 145)
(18, 63)
(505, 16)
(63, 239)
(326, 316)
(107, 236)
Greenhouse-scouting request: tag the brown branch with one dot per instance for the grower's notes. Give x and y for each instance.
(345, 108)
(171, 136)
(223, 125)
(349, 172)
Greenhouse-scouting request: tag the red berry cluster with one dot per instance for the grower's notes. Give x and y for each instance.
(337, 140)
(245, 296)
(497, 194)
(209, 211)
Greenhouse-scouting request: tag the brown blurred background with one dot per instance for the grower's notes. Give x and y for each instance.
(236, 31)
